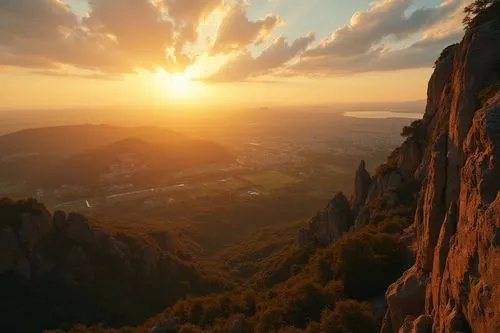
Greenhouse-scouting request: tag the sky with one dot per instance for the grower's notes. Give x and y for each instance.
(167, 53)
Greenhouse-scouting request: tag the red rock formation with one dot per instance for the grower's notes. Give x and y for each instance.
(454, 285)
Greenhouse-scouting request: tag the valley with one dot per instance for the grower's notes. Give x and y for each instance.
(172, 167)
(281, 168)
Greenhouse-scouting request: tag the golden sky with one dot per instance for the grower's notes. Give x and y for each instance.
(78, 53)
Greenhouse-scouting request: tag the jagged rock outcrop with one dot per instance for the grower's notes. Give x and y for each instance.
(409, 287)
(410, 156)
(77, 228)
(329, 224)
(453, 155)
(72, 268)
(381, 185)
(423, 324)
(408, 240)
(454, 285)
(383, 188)
(362, 183)
(29, 249)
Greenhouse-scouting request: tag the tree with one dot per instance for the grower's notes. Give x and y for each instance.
(349, 316)
(475, 9)
(414, 129)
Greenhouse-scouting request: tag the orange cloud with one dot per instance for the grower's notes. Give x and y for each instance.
(244, 66)
(236, 31)
(362, 44)
(121, 36)
(116, 36)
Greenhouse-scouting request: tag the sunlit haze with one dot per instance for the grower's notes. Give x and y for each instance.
(79, 53)
(249, 166)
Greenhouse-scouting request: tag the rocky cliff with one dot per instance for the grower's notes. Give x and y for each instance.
(57, 270)
(454, 283)
(453, 155)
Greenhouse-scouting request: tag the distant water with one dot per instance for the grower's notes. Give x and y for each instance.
(382, 114)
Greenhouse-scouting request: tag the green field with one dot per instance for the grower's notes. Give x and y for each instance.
(269, 181)
(229, 184)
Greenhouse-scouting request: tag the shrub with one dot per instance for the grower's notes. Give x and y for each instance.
(488, 92)
(313, 327)
(349, 316)
(395, 226)
(444, 54)
(414, 129)
(390, 165)
(366, 262)
(189, 328)
(475, 12)
(304, 303)
(11, 211)
(270, 320)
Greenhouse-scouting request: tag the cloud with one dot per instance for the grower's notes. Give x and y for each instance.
(116, 36)
(361, 45)
(420, 54)
(244, 66)
(383, 20)
(135, 26)
(236, 31)
(188, 15)
(91, 76)
(45, 34)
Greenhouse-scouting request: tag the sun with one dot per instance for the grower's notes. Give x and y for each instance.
(178, 85)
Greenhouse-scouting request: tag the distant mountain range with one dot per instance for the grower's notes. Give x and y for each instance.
(83, 154)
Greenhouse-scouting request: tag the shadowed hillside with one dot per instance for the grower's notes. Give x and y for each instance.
(413, 249)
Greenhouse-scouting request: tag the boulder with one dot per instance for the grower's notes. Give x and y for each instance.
(406, 297)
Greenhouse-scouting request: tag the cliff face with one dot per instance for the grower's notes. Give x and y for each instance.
(454, 154)
(455, 282)
(57, 270)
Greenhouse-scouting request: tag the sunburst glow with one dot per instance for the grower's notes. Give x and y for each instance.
(178, 85)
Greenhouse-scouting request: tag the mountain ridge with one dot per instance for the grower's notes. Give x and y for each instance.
(416, 247)
(453, 153)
